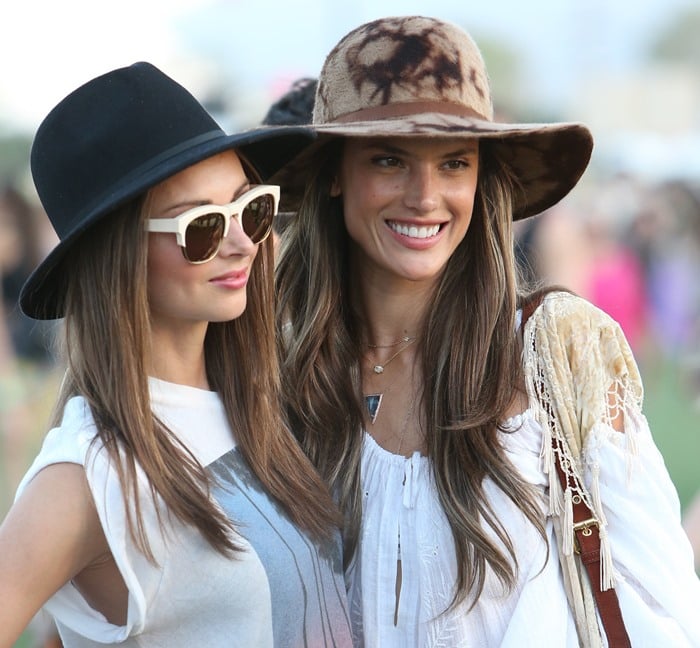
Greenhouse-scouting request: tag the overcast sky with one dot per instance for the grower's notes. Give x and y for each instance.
(49, 47)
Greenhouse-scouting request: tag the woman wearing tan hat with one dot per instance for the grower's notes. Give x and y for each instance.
(169, 505)
(475, 436)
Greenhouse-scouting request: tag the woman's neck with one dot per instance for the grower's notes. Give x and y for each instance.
(178, 356)
(392, 315)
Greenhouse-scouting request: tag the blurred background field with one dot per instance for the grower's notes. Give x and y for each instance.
(627, 238)
(673, 416)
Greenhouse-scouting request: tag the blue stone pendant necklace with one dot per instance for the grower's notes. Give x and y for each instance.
(374, 401)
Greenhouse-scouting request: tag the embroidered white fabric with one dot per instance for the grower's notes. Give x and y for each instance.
(642, 510)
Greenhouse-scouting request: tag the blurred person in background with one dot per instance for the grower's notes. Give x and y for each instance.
(23, 247)
(294, 108)
(463, 422)
(615, 281)
(581, 247)
(169, 504)
(554, 249)
(612, 276)
(28, 374)
(673, 270)
(682, 199)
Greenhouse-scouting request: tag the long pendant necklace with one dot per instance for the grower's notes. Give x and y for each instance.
(374, 401)
(404, 425)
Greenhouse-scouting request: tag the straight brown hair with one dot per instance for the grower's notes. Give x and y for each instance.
(470, 354)
(106, 346)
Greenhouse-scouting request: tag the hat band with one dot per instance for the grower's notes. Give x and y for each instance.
(65, 229)
(390, 111)
(191, 143)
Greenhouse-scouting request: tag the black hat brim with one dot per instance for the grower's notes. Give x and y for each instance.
(267, 149)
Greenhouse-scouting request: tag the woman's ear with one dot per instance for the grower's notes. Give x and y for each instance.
(335, 192)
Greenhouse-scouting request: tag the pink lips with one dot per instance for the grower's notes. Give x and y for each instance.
(231, 280)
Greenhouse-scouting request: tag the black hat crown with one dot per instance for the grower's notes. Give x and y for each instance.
(114, 138)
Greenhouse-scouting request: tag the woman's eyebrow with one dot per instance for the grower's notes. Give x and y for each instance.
(241, 189)
(191, 203)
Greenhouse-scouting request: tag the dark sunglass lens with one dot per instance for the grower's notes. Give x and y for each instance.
(257, 217)
(203, 237)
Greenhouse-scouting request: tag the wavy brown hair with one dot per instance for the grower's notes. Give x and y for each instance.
(470, 354)
(106, 345)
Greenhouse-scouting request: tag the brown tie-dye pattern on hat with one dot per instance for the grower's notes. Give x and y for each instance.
(403, 61)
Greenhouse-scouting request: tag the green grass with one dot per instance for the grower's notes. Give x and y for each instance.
(675, 422)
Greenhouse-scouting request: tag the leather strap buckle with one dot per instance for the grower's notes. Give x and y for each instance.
(586, 529)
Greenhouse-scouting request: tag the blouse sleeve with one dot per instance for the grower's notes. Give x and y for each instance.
(658, 590)
(581, 375)
(72, 442)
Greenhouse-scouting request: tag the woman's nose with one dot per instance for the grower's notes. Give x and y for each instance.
(236, 242)
(422, 191)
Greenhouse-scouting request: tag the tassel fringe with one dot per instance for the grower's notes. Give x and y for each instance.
(607, 579)
(568, 523)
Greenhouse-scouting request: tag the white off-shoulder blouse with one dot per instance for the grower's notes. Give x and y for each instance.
(658, 590)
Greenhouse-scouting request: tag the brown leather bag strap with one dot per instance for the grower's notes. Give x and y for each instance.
(587, 535)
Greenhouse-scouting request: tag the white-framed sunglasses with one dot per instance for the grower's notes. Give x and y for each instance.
(201, 230)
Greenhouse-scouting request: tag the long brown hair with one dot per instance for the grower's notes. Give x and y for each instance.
(107, 333)
(470, 355)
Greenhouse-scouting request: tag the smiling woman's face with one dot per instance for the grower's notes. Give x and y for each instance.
(407, 202)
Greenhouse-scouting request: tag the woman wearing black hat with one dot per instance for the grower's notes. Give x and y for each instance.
(475, 437)
(169, 505)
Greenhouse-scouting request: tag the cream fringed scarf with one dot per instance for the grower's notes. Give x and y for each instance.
(580, 373)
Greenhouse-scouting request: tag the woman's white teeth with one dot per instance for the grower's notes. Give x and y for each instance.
(414, 231)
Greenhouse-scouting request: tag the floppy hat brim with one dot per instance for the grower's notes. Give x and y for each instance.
(267, 149)
(547, 159)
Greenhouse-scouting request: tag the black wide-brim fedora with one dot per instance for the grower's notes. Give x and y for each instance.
(114, 138)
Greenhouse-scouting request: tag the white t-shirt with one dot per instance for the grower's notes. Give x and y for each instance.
(658, 590)
(283, 589)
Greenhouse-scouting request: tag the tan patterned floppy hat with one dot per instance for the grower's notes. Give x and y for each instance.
(417, 76)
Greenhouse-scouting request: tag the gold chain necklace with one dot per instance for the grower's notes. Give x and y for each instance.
(379, 368)
(405, 338)
(404, 425)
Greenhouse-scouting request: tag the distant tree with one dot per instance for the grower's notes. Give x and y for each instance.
(503, 64)
(680, 41)
(14, 156)
(507, 72)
